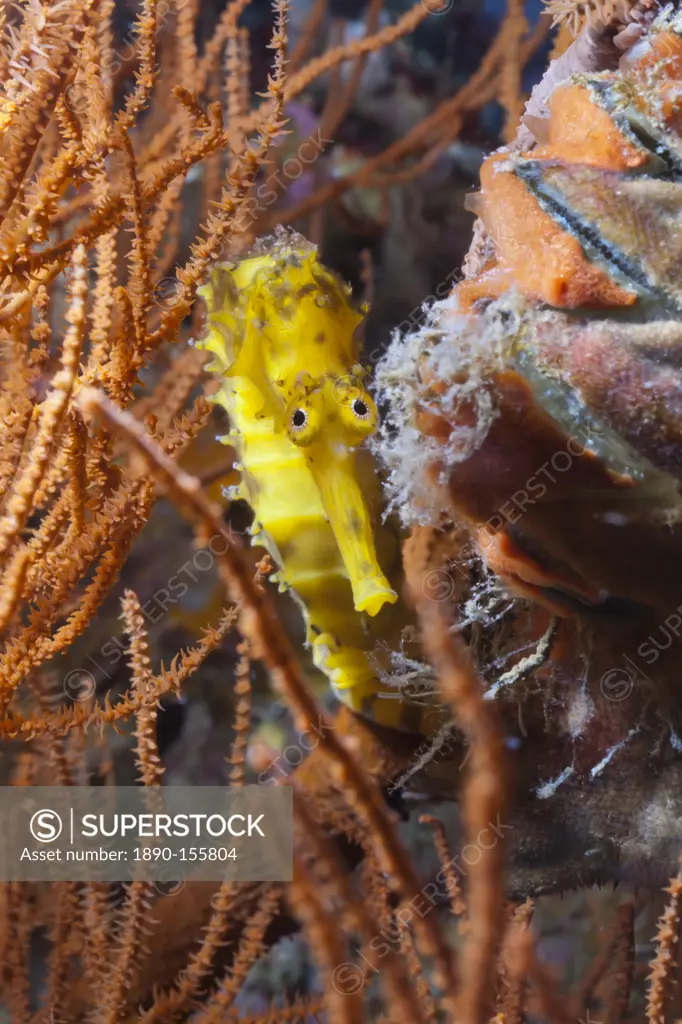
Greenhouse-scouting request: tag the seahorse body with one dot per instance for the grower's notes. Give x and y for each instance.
(281, 329)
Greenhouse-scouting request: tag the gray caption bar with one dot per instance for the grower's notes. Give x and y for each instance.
(164, 835)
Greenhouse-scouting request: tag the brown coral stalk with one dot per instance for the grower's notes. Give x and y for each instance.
(484, 802)
(333, 878)
(326, 940)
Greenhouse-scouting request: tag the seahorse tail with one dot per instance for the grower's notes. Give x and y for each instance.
(355, 684)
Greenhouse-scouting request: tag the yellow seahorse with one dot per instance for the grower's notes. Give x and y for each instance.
(282, 330)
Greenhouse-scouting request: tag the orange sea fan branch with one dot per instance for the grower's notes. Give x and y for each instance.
(308, 1008)
(187, 662)
(147, 757)
(146, 28)
(108, 537)
(356, 49)
(664, 964)
(207, 251)
(227, 26)
(139, 286)
(97, 918)
(168, 1006)
(77, 473)
(14, 579)
(52, 411)
(622, 988)
(107, 214)
(250, 949)
(185, 21)
(309, 34)
(242, 715)
(553, 1005)
(43, 201)
(602, 964)
(167, 681)
(18, 912)
(510, 95)
(22, 137)
(298, 82)
(457, 904)
(338, 104)
(65, 932)
(513, 992)
(126, 955)
(237, 96)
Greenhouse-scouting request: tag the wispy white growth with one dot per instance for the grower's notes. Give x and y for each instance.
(487, 604)
(405, 675)
(459, 353)
(599, 768)
(579, 712)
(526, 665)
(656, 824)
(548, 789)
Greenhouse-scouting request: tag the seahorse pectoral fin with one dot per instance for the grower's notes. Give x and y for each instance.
(349, 519)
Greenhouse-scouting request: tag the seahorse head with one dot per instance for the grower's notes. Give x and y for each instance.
(338, 412)
(329, 417)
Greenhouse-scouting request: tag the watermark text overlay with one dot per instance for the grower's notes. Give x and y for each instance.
(91, 833)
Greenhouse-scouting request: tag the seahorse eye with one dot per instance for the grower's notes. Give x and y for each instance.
(303, 420)
(358, 414)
